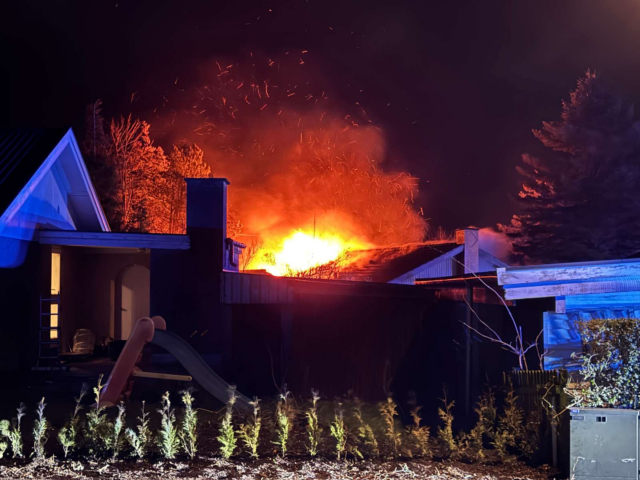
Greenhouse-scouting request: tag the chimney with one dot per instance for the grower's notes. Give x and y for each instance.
(469, 237)
(207, 220)
(207, 204)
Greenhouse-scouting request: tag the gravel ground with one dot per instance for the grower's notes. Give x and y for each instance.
(216, 468)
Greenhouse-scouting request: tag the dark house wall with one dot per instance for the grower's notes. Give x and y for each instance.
(185, 285)
(20, 289)
(337, 344)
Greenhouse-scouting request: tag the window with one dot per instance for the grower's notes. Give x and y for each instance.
(55, 272)
(56, 257)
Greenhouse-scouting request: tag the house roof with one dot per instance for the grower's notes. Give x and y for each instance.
(115, 239)
(44, 182)
(388, 263)
(22, 152)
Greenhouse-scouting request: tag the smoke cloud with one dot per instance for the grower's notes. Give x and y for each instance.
(296, 159)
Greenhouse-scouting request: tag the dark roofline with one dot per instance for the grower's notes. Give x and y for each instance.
(479, 278)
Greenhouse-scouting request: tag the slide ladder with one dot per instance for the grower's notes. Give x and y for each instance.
(153, 330)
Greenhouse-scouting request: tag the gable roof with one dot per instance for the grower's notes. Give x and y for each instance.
(388, 263)
(27, 158)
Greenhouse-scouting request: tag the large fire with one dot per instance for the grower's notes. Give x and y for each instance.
(294, 156)
(306, 254)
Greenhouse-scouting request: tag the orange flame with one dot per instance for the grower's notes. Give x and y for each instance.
(301, 252)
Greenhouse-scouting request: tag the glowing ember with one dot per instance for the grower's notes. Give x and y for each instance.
(312, 182)
(303, 254)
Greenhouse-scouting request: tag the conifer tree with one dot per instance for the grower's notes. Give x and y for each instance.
(579, 200)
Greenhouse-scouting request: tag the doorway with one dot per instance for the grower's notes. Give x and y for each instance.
(132, 299)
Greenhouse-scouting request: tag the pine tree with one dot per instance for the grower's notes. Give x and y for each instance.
(579, 201)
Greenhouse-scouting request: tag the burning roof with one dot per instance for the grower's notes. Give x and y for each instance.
(385, 264)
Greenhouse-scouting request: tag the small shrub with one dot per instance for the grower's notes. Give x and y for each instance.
(610, 364)
(389, 412)
(13, 432)
(99, 428)
(188, 432)
(40, 430)
(250, 431)
(472, 443)
(313, 425)
(3, 448)
(284, 421)
(139, 439)
(445, 433)
(168, 441)
(365, 431)
(227, 436)
(338, 430)
(118, 425)
(68, 436)
(419, 434)
(510, 431)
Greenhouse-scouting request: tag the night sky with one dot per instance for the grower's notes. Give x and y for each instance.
(457, 87)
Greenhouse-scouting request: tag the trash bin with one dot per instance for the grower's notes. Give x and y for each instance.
(604, 443)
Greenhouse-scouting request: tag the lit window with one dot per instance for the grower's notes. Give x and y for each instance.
(55, 273)
(55, 290)
(53, 334)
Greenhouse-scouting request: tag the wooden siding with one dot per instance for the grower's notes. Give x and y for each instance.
(240, 288)
(243, 288)
(626, 284)
(568, 272)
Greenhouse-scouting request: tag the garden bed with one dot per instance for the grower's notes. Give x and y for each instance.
(274, 468)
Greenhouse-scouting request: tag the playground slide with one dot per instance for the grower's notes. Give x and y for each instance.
(197, 367)
(153, 330)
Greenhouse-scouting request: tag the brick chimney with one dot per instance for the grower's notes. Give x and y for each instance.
(469, 237)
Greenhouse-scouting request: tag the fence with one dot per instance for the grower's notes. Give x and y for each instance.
(541, 394)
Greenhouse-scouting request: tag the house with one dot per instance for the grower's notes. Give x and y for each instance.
(63, 269)
(575, 292)
(405, 264)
